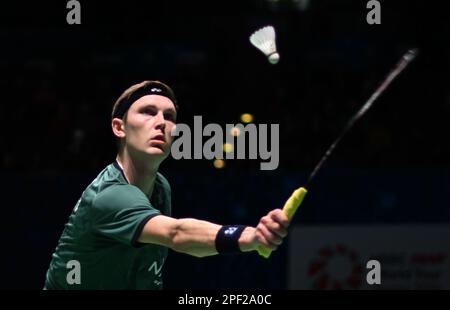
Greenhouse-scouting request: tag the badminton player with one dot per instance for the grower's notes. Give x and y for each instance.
(121, 228)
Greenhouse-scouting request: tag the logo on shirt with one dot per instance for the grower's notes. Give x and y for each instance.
(156, 268)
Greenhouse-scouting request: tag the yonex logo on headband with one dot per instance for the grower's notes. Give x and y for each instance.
(156, 90)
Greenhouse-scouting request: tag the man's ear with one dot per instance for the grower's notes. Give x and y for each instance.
(118, 127)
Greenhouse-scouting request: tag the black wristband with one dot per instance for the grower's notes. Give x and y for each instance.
(227, 239)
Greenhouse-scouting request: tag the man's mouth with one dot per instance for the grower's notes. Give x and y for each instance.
(159, 138)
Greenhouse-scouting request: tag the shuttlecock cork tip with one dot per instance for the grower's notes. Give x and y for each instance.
(274, 58)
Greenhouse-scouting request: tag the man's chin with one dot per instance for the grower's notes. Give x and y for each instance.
(156, 151)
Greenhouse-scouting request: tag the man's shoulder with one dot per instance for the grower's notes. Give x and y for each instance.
(119, 192)
(112, 190)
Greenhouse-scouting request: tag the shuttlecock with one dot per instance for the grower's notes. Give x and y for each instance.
(264, 40)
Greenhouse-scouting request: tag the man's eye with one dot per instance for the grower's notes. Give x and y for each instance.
(169, 117)
(149, 112)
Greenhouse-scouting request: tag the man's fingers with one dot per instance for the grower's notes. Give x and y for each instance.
(263, 241)
(280, 217)
(274, 227)
(269, 236)
(277, 229)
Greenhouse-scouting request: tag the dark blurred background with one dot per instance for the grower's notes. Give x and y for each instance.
(59, 82)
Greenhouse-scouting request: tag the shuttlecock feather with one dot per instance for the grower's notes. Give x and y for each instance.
(264, 40)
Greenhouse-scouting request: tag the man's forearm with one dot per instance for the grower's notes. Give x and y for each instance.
(190, 236)
(197, 238)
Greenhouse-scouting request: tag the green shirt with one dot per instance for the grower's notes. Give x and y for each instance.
(101, 237)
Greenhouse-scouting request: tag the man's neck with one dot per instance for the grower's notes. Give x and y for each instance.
(137, 173)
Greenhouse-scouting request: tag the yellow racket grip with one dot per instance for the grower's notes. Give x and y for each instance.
(290, 207)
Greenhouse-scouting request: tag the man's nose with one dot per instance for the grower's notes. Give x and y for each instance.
(160, 121)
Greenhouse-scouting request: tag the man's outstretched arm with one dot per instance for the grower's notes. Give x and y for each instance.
(198, 238)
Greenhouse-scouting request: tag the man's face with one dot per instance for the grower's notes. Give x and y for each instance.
(148, 126)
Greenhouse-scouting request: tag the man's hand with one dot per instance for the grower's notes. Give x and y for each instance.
(269, 232)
